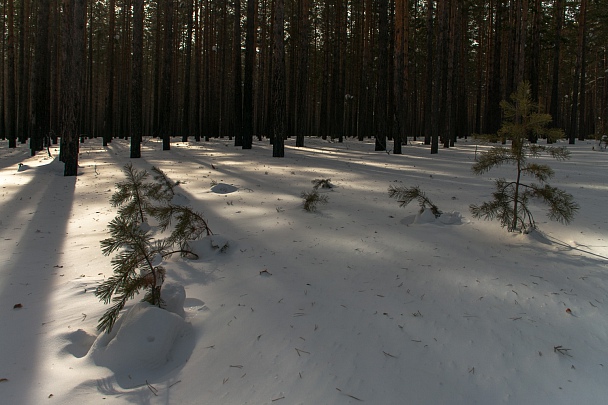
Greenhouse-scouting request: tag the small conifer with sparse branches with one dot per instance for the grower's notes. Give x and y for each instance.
(511, 199)
(135, 267)
(321, 183)
(311, 199)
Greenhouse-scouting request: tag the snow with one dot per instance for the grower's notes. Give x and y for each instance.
(360, 301)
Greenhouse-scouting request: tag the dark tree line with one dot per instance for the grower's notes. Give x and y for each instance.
(391, 70)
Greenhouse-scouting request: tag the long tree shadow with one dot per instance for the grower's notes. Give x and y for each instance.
(34, 225)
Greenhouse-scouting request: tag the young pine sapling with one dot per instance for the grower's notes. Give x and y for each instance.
(312, 199)
(511, 198)
(322, 183)
(135, 266)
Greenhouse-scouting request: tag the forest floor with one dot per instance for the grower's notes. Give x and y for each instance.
(359, 302)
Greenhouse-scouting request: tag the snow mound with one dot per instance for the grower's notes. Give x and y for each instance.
(222, 188)
(446, 218)
(450, 218)
(210, 245)
(142, 339)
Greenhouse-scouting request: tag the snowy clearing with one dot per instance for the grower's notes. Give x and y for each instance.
(360, 301)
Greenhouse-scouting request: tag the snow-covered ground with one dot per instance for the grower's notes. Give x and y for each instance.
(361, 301)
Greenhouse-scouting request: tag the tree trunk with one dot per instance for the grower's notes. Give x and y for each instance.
(109, 112)
(278, 81)
(400, 75)
(196, 127)
(238, 85)
(554, 105)
(534, 67)
(166, 79)
(22, 117)
(11, 111)
(41, 99)
(573, 129)
(72, 50)
(248, 83)
(582, 127)
(301, 110)
(382, 87)
(492, 119)
(136, 79)
(428, 102)
(188, 65)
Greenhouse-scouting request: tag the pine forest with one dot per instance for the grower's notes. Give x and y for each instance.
(389, 70)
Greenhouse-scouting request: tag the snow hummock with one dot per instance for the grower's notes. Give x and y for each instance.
(361, 301)
(141, 340)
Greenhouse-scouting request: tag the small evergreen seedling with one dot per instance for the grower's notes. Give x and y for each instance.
(312, 199)
(406, 195)
(511, 199)
(134, 265)
(322, 183)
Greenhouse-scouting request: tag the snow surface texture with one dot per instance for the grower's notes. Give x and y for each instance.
(359, 301)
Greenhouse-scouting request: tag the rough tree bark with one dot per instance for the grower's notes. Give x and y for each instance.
(278, 81)
(248, 83)
(136, 79)
(11, 110)
(72, 60)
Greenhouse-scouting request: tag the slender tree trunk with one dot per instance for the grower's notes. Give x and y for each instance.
(573, 129)
(109, 112)
(428, 102)
(167, 76)
(248, 84)
(72, 29)
(187, 68)
(238, 85)
(11, 111)
(197, 73)
(22, 119)
(136, 79)
(449, 127)
(41, 114)
(438, 120)
(3, 75)
(554, 105)
(301, 110)
(382, 86)
(278, 81)
(400, 75)
(534, 67)
(582, 127)
(492, 119)
(158, 58)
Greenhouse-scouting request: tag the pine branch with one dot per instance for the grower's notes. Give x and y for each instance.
(542, 173)
(167, 186)
(494, 157)
(406, 195)
(561, 204)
